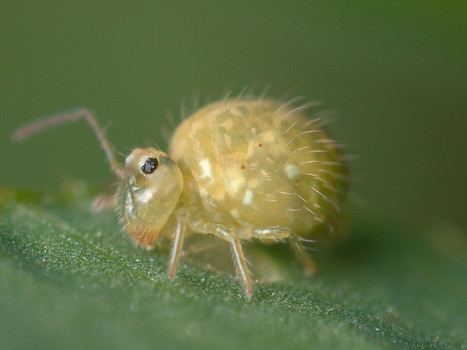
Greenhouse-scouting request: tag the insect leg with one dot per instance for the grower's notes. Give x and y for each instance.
(279, 232)
(302, 255)
(183, 217)
(272, 232)
(239, 258)
(242, 266)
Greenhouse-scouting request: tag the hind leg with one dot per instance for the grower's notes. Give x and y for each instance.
(302, 255)
(278, 233)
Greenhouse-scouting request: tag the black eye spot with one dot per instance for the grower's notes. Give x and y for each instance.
(150, 165)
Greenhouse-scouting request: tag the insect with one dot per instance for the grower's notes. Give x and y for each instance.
(238, 169)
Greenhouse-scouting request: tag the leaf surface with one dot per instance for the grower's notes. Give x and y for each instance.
(70, 278)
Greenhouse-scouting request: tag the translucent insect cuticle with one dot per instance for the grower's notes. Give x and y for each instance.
(294, 188)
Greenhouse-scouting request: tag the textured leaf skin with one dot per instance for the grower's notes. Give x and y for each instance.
(69, 278)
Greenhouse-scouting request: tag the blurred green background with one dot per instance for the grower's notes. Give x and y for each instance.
(396, 71)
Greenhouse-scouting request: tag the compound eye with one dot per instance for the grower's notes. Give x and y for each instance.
(150, 165)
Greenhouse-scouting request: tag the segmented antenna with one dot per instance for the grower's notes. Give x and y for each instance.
(38, 126)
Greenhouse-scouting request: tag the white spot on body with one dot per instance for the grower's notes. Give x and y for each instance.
(206, 167)
(203, 193)
(236, 180)
(235, 214)
(129, 204)
(248, 199)
(291, 171)
(145, 196)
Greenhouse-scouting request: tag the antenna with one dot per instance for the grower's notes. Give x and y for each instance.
(40, 125)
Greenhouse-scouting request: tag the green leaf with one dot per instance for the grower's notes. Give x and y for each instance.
(71, 279)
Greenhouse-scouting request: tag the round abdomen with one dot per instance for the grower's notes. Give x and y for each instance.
(262, 163)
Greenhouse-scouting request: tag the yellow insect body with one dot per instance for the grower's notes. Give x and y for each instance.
(238, 169)
(258, 163)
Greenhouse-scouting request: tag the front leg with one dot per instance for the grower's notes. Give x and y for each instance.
(184, 222)
(176, 250)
